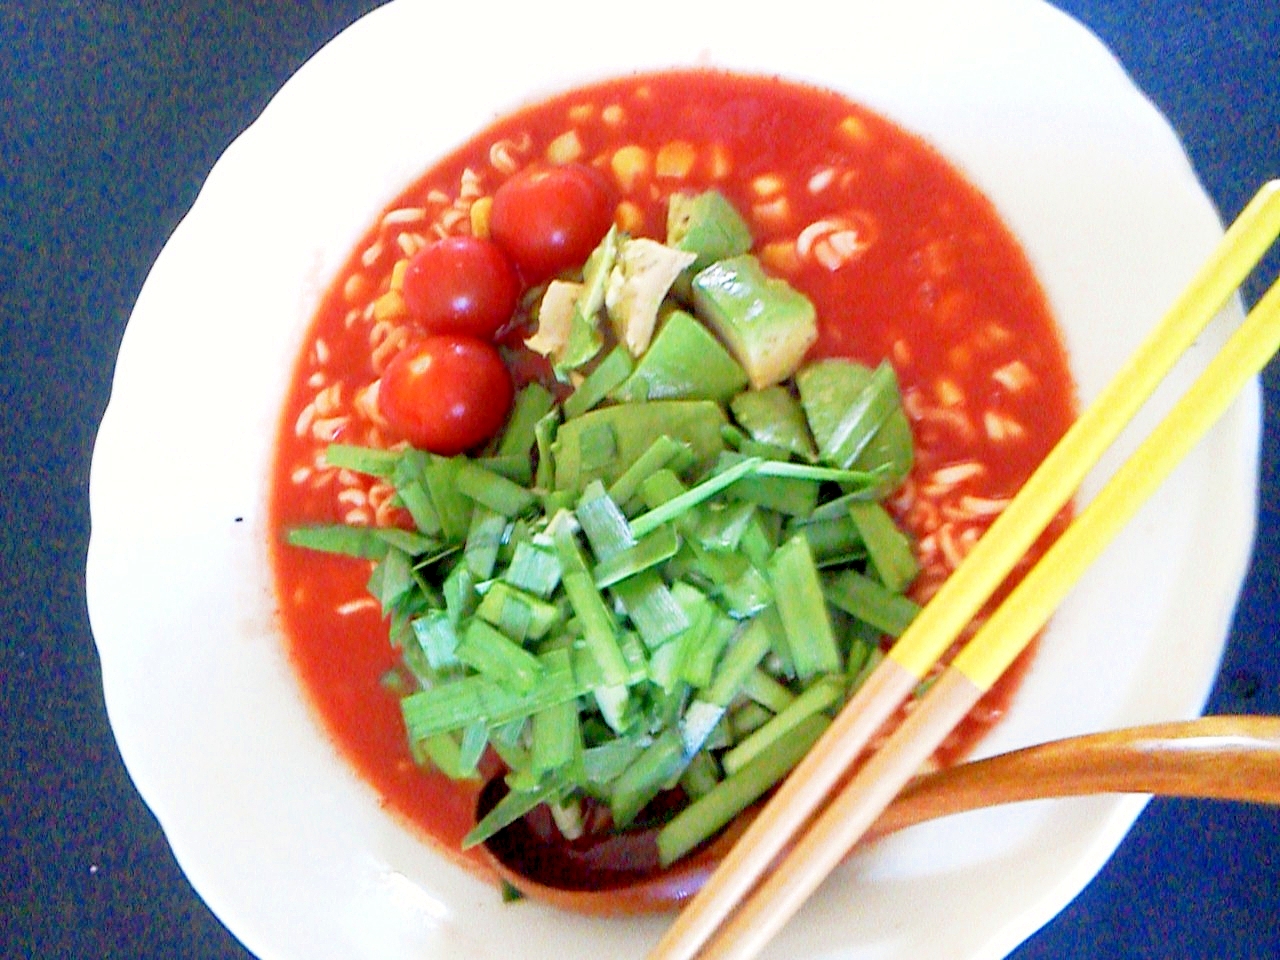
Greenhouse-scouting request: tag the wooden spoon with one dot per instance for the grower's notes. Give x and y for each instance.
(1225, 758)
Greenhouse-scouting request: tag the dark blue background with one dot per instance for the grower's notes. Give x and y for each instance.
(111, 114)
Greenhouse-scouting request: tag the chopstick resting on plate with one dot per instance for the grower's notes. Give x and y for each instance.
(1008, 631)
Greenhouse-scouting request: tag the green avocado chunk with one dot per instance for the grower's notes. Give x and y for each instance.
(600, 445)
(767, 324)
(708, 226)
(685, 361)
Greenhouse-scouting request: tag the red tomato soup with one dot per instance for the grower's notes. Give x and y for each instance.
(903, 259)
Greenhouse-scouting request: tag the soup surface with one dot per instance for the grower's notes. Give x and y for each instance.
(904, 260)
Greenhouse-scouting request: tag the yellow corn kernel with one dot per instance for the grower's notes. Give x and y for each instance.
(390, 306)
(613, 115)
(565, 148)
(675, 159)
(855, 129)
(581, 112)
(629, 217)
(780, 256)
(480, 217)
(397, 273)
(948, 392)
(768, 185)
(629, 165)
(719, 163)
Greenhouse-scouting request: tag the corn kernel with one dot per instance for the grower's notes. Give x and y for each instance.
(629, 217)
(480, 217)
(397, 273)
(780, 256)
(565, 148)
(629, 165)
(390, 306)
(767, 185)
(613, 115)
(581, 112)
(675, 159)
(855, 129)
(719, 163)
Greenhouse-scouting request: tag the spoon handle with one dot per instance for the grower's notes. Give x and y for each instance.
(1224, 758)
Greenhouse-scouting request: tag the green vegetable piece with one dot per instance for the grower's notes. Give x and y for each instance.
(832, 541)
(761, 687)
(495, 655)
(484, 539)
(684, 361)
(508, 810)
(889, 548)
(601, 444)
(556, 738)
(446, 754)
(368, 460)
(544, 433)
(362, 542)
(451, 506)
(647, 552)
(746, 651)
(534, 568)
(856, 417)
(492, 489)
(519, 615)
(774, 416)
(705, 817)
(657, 768)
(615, 368)
(454, 704)
(800, 603)
(708, 226)
(532, 403)
(435, 633)
(660, 453)
(702, 646)
(820, 696)
(392, 579)
(673, 508)
(767, 324)
(869, 601)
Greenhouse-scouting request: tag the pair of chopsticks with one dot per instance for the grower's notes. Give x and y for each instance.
(710, 923)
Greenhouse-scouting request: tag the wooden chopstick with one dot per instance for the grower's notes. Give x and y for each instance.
(937, 626)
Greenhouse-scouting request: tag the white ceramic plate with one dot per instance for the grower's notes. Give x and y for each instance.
(288, 847)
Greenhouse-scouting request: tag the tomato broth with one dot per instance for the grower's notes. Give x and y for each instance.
(904, 260)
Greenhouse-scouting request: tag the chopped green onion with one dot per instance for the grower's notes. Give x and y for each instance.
(600, 382)
(493, 654)
(798, 594)
(704, 817)
(888, 546)
(699, 493)
(869, 601)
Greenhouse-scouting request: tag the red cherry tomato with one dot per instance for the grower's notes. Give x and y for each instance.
(446, 393)
(550, 218)
(461, 285)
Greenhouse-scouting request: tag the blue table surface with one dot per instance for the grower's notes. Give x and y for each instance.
(111, 114)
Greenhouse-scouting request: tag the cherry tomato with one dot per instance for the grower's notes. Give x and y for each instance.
(461, 285)
(446, 393)
(550, 218)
